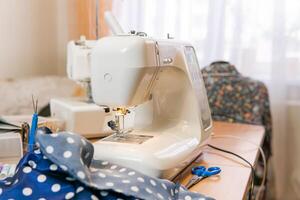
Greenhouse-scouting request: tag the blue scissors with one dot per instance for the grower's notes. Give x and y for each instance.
(200, 173)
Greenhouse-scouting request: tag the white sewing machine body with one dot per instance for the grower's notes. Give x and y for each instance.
(81, 115)
(161, 82)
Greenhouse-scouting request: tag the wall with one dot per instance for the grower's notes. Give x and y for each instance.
(33, 36)
(82, 18)
(34, 33)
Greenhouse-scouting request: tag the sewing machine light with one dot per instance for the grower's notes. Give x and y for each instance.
(122, 111)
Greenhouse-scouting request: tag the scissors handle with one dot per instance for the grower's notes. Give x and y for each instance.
(211, 171)
(199, 170)
(202, 171)
(31, 137)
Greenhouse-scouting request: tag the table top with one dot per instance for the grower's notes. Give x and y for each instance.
(233, 182)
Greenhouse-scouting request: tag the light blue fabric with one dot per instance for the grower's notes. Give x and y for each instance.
(63, 168)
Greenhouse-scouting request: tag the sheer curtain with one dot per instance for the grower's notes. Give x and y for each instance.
(261, 37)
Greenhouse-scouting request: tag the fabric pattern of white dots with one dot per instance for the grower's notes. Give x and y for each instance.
(63, 168)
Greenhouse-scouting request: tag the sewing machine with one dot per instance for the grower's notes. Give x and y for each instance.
(160, 82)
(153, 93)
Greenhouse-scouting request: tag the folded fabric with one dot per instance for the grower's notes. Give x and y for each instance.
(63, 168)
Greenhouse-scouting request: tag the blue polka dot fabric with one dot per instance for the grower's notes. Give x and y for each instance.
(63, 168)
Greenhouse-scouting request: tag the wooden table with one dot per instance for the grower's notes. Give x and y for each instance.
(233, 182)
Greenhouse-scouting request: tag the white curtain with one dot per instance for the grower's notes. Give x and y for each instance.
(261, 37)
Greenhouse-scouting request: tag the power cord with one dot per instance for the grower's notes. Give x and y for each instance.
(252, 168)
(240, 157)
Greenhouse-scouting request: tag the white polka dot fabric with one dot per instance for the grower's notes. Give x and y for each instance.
(63, 168)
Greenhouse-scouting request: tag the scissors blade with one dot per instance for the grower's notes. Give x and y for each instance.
(191, 181)
(198, 180)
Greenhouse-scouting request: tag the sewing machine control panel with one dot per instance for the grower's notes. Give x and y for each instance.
(198, 85)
